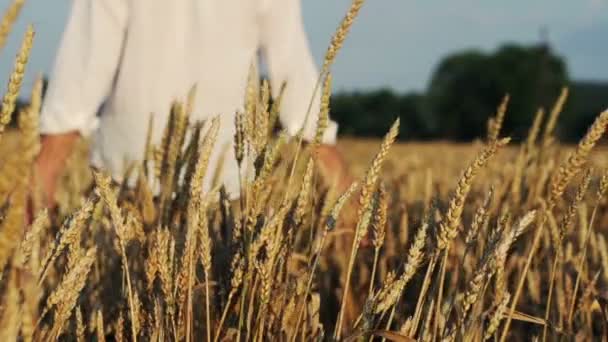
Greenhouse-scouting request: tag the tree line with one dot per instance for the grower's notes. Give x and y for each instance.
(465, 90)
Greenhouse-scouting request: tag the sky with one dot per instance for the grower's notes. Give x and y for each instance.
(394, 43)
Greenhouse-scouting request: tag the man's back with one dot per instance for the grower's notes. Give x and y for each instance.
(138, 56)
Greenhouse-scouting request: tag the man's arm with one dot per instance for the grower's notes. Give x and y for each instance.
(286, 48)
(82, 76)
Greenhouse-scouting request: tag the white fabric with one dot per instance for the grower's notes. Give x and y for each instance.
(136, 56)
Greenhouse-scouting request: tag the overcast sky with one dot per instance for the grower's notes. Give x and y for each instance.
(395, 43)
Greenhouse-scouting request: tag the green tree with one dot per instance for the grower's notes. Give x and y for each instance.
(467, 87)
(587, 99)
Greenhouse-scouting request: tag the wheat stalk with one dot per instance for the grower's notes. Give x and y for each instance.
(14, 83)
(379, 229)
(8, 20)
(388, 297)
(553, 116)
(560, 180)
(330, 224)
(108, 195)
(363, 213)
(66, 294)
(340, 35)
(496, 123)
(448, 230)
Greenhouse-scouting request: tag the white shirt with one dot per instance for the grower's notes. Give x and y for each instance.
(136, 56)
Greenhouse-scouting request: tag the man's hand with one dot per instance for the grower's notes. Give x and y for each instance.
(54, 152)
(333, 166)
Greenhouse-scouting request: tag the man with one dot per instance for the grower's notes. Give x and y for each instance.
(136, 56)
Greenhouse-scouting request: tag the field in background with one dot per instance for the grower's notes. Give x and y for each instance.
(418, 180)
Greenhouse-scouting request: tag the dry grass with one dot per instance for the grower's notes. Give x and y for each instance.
(471, 241)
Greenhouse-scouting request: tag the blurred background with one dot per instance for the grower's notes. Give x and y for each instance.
(440, 66)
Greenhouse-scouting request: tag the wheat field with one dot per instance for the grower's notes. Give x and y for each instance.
(489, 240)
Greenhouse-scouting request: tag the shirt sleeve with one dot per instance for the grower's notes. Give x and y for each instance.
(286, 49)
(85, 66)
